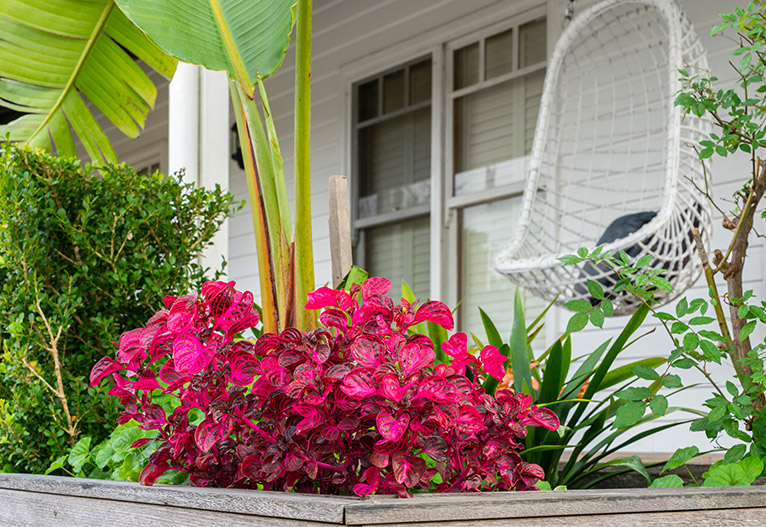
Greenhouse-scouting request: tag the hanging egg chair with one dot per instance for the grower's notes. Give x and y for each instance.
(613, 162)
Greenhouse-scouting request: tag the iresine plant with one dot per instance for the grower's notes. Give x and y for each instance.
(357, 405)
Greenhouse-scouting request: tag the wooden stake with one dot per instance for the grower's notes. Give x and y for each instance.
(340, 229)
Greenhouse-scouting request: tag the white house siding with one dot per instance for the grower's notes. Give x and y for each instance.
(352, 39)
(357, 38)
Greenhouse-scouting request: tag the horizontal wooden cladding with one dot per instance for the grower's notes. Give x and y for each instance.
(28, 509)
(700, 518)
(444, 509)
(29, 500)
(78, 494)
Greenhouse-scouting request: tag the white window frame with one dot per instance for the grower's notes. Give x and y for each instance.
(396, 216)
(453, 205)
(444, 231)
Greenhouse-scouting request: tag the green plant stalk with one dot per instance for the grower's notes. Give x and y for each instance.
(276, 161)
(304, 252)
(278, 239)
(262, 245)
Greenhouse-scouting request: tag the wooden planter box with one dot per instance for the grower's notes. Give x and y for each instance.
(27, 500)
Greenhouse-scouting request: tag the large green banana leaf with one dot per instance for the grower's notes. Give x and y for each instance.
(57, 54)
(246, 38)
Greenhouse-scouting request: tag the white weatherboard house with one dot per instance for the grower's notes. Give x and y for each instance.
(419, 102)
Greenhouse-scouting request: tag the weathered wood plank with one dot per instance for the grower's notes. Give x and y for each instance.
(704, 518)
(292, 506)
(340, 229)
(506, 505)
(36, 509)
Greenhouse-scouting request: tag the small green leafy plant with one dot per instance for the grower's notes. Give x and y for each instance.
(598, 404)
(83, 256)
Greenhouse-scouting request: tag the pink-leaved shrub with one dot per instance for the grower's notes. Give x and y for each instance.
(358, 405)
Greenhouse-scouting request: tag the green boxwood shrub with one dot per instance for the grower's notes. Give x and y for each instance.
(84, 255)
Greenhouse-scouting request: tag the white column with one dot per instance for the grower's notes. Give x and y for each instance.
(183, 121)
(214, 151)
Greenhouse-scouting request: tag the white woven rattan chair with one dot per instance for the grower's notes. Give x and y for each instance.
(609, 145)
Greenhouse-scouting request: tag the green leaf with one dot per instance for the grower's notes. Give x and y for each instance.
(685, 363)
(577, 322)
(633, 462)
(595, 290)
(661, 283)
(550, 388)
(625, 372)
(743, 310)
(710, 351)
(734, 454)
(672, 381)
(634, 393)
(58, 463)
(578, 305)
(104, 455)
(658, 405)
(629, 414)
(607, 307)
(746, 330)
(698, 321)
(671, 481)
(493, 336)
(644, 261)
(735, 474)
(597, 318)
(680, 457)
(407, 292)
(79, 454)
(59, 54)
(519, 356)
(684, 99)
(246, 38)
(691, 342)
(753, 468)
(122, 442)
(644, 372)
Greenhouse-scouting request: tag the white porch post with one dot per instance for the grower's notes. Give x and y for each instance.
(214, 151)
(183, 122)
(198, 138)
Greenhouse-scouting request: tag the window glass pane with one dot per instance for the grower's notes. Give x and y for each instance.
(494, 129)
(466, 66)
(368, 100)
(395, 163)
(393, 91)
(486, 230)
(532, 43)
(420, 82)
(498, 54)
(401, 252)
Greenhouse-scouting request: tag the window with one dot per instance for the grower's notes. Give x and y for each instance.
(392, 135)
(491, 92)
(494, 88)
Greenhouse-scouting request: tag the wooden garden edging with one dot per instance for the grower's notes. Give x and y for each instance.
(30, 500)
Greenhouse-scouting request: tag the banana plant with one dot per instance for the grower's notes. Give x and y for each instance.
(246, 38)
(56, 55)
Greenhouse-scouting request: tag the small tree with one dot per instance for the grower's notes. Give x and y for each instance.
(740, 120)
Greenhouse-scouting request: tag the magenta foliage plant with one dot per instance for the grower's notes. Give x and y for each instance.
(358, 405)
